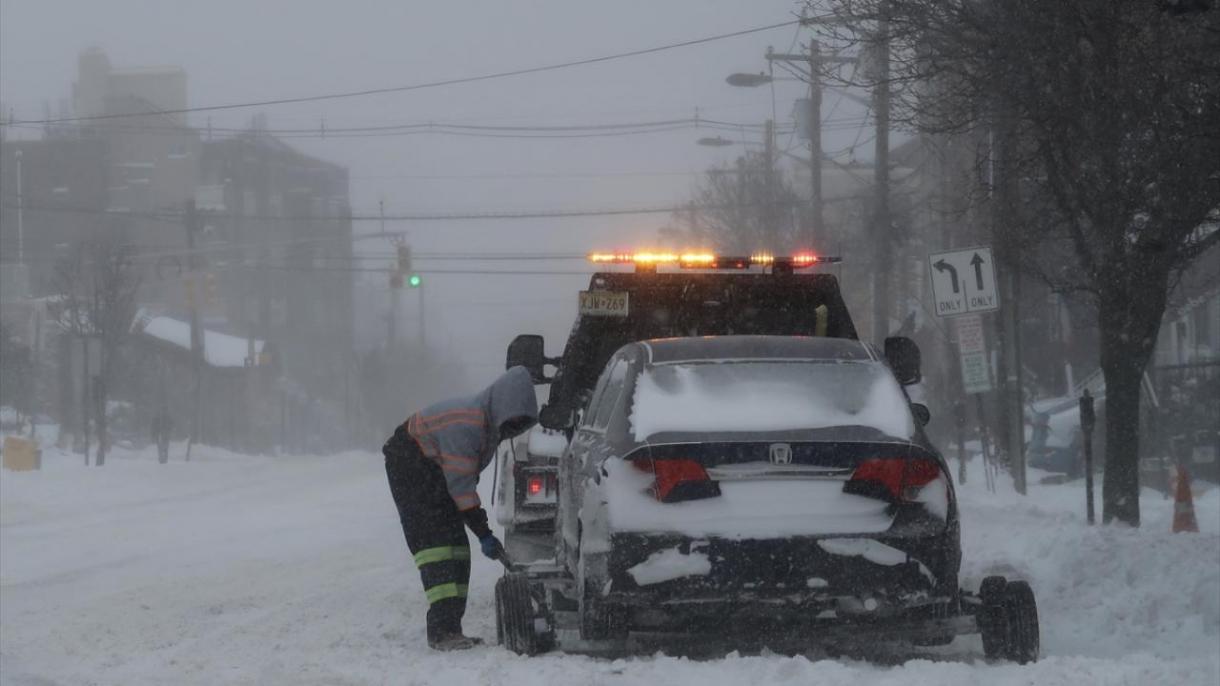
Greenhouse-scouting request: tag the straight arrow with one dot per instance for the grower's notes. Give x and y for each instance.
(942, 266)
(977, 262)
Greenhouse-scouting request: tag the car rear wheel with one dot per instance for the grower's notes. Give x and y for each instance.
(1008, 620)
(516, 612)
(992, 618)
(1023, 632)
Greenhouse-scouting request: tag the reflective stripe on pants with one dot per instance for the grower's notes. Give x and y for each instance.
(434, 530)
(444, 591)
(441, 553)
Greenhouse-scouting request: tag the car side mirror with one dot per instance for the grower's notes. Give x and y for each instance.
(902, 354)
(922, 414)
(527, 351)
(555, 418)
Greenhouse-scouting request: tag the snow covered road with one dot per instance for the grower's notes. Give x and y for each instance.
(292, 570)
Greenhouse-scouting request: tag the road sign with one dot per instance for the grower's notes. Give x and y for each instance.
(963, 281)
(972, 349)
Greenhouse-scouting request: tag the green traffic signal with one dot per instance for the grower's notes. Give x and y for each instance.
(414, 281)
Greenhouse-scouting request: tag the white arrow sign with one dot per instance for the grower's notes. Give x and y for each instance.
(963, 281)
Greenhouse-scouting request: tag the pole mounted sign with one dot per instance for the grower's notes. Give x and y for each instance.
(963, 282)
(972, 350)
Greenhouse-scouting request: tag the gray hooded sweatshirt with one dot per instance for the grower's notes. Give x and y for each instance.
(461, 435)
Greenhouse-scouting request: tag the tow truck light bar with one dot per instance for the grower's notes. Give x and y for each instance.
(650, 260)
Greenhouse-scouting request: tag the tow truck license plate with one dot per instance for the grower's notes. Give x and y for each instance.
(603, 303)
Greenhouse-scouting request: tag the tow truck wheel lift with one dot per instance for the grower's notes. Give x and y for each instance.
(536, 612)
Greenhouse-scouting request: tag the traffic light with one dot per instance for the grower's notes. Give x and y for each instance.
(414, 281)
(404, 259)
(210, 287)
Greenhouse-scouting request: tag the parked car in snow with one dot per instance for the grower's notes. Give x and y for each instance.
(771, 482)
(728, 295)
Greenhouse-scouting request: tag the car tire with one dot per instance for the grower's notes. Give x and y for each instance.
(993, 617)
(515, 615)
(1021, 611)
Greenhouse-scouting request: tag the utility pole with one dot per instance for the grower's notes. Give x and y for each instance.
(816, 228)
(191, 218)
(882, 264)
(20, 215)
(769, 179)
(395, 291)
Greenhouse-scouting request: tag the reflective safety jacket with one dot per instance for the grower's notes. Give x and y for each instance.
(461, 435)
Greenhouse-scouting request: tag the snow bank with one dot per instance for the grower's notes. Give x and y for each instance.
(754, 509)
(756, 396)
(669, 564)
(292, 570)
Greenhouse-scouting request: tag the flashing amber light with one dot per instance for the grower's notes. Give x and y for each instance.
(697, 260)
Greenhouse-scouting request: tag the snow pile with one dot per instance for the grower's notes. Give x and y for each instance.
(546, 443)
(757, 396)
(753, 509)
(1103, 590)
(873, 551)
(669, 564)
(292, 570)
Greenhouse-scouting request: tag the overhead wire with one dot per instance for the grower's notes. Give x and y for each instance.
(428, 84)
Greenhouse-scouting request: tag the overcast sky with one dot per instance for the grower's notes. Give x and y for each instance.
(237, 50)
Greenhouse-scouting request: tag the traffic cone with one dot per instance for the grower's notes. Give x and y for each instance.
(1184, 504)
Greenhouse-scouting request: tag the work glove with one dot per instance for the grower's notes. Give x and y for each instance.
(491, 546)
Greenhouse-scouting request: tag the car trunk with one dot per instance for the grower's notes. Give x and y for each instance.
(769, 517)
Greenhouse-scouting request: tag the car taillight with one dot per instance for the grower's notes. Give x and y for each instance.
(898, 479)
(678, 479)
(534, 485)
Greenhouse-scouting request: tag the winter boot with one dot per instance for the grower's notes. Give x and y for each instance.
(454, 642)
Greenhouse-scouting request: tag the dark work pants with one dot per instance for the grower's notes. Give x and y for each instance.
(434, 530)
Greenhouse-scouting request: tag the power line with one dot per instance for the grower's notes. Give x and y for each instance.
(430, 84)
(441, 216)
(595, 131)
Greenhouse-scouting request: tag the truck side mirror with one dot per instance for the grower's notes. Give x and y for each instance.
(903, 356)
(527, 351)
(555, 418)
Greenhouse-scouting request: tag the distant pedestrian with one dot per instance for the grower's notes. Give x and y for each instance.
(433, 462)
(162, 428)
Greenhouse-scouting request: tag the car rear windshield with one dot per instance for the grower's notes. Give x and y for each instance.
(768, 395)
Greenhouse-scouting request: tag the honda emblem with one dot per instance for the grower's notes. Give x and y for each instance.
(781, 453)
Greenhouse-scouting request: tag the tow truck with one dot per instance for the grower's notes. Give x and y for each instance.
(538, 602)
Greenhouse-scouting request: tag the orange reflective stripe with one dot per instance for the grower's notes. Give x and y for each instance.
(432, 428)
(466, 501)
(431, 419)
(458, 469)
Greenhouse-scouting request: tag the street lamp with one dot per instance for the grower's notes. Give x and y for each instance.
(749, 80)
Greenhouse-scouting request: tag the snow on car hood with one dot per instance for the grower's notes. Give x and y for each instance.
(768, 396)
(747, 509)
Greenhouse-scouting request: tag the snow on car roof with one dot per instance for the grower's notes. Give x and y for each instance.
(670, 350)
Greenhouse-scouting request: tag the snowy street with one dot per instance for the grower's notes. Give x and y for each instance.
(269, 570)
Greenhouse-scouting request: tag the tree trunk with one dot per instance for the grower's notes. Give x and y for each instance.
(1121, 483)
(1129, 317)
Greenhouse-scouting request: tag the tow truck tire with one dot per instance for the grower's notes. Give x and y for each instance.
(1022, 613)
(515, 614)
(993, 617)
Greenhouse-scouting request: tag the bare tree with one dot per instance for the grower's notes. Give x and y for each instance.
(742, 209)
(1104, 113)
(98, 282)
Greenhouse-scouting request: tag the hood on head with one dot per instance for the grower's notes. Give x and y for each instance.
(511, 400)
